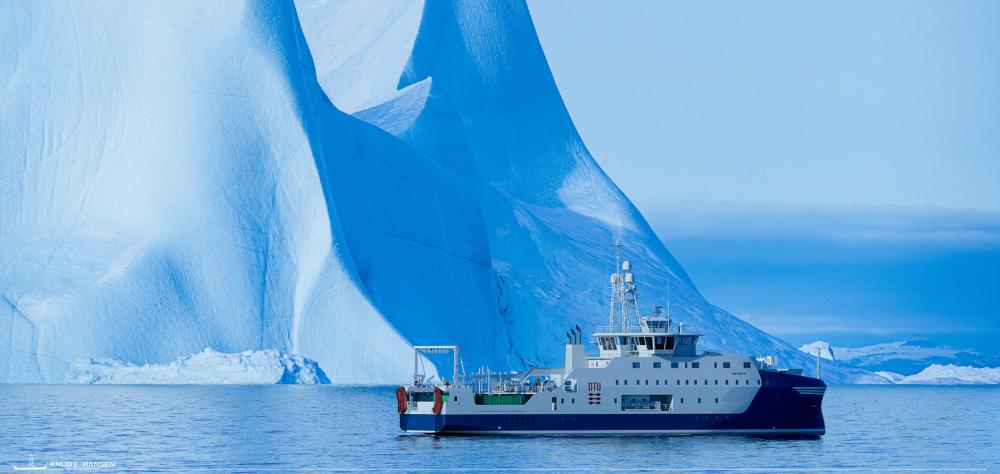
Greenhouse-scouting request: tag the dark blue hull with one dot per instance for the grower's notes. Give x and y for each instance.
(777, 408)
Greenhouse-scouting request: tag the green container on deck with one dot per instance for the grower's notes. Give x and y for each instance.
(502, 398)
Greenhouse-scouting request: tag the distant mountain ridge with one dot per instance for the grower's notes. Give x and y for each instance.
(901, 359)
(949, 374)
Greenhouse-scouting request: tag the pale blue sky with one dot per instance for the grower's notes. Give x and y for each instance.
(843, 103)
(824, 170)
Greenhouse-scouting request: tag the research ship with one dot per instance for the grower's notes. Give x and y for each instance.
(644, 376)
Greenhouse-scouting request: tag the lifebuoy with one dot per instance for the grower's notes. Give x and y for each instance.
(401, 400)
(438, 401)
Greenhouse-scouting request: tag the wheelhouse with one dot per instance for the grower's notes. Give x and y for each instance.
(653, 339)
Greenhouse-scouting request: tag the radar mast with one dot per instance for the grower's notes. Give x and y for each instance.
(624, 296)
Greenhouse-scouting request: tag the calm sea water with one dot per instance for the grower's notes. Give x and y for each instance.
(287, 428)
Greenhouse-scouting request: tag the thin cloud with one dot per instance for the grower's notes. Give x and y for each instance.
(740, 221)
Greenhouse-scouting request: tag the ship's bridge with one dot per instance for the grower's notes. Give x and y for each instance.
(653, 338)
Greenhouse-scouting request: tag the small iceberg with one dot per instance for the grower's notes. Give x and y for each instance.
(258, 367)
(937, 374)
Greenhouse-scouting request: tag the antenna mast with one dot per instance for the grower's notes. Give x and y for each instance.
(818, 367)
(623, 292)
(616, 281)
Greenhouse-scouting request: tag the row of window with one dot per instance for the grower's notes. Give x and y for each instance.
(694, 365)
(682, 400)
(688, 382)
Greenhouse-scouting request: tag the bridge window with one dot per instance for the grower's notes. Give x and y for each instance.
(635, 365)
(695, 365)
(726, 365)
(746, 365)
(656, 365)
(660, 342)
(670, 343)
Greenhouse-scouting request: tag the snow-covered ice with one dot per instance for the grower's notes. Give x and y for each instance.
(890, 376)
(267, 366)
(166, 173)
(950, 374)
(821, 347)
(177, 175)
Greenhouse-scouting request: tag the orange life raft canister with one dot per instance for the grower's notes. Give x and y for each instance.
(401, 399)
(438, 401)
